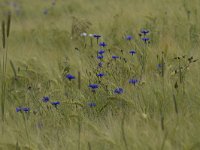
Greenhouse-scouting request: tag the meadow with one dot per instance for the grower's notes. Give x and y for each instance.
(99, 75)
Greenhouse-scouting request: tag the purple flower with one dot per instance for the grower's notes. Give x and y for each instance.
(133, 81)
(101, 52)
(70, 77)
(18, 109)
(115, 57)
(129, 37)
(100, 57)
(144, 31)
(26, 109)
(45, 99)
(93, 86)
(118, 91)
(145, 39)
(96, 36)
(103, 44)
(55, 103)
(100, 75)
(92, 104)
(132, 52)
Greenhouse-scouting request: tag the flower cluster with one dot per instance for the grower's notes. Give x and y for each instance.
(20, 109)
(143, 34)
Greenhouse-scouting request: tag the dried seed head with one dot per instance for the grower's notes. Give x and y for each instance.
(8, 24)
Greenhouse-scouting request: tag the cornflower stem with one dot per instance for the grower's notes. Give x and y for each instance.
(97, 41)
(91, 42)
(85, 42)
(131, 45)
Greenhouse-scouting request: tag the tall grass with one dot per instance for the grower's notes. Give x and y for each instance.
(160, 110)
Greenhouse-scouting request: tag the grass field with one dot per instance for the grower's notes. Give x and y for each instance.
(60, 92)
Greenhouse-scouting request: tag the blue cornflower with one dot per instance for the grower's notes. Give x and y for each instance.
(145, 39)
(132, 52)
(115, 57)
(92, 104)
(55, 103)
(100, 57)
(18, 109)
(26, 109)
(133, 81)
(129, 37)
(118, 91)
(96, 36)
(45, 99)
(103, 44)
(100, 64)
(100, 75)
(101, 52)
(94, 86)
(70, 77)
(144, 31)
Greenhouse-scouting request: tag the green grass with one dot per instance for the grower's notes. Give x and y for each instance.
(161, 112)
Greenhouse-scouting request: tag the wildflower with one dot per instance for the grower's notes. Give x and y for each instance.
(145, 39)
(132, 52)
(96, 36)
(94, 86)
(100, 57)
(92, 104)
(45, 99)
(144, 31)
(133, 81)
(101, 52)
(118, 91)
(115, 57)
(100, 75)
(25, 109)
(84, 34)
(70, 77)
(129, 37)
(55, 103)
(18, 109)
(91, 35)
(103, 44)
